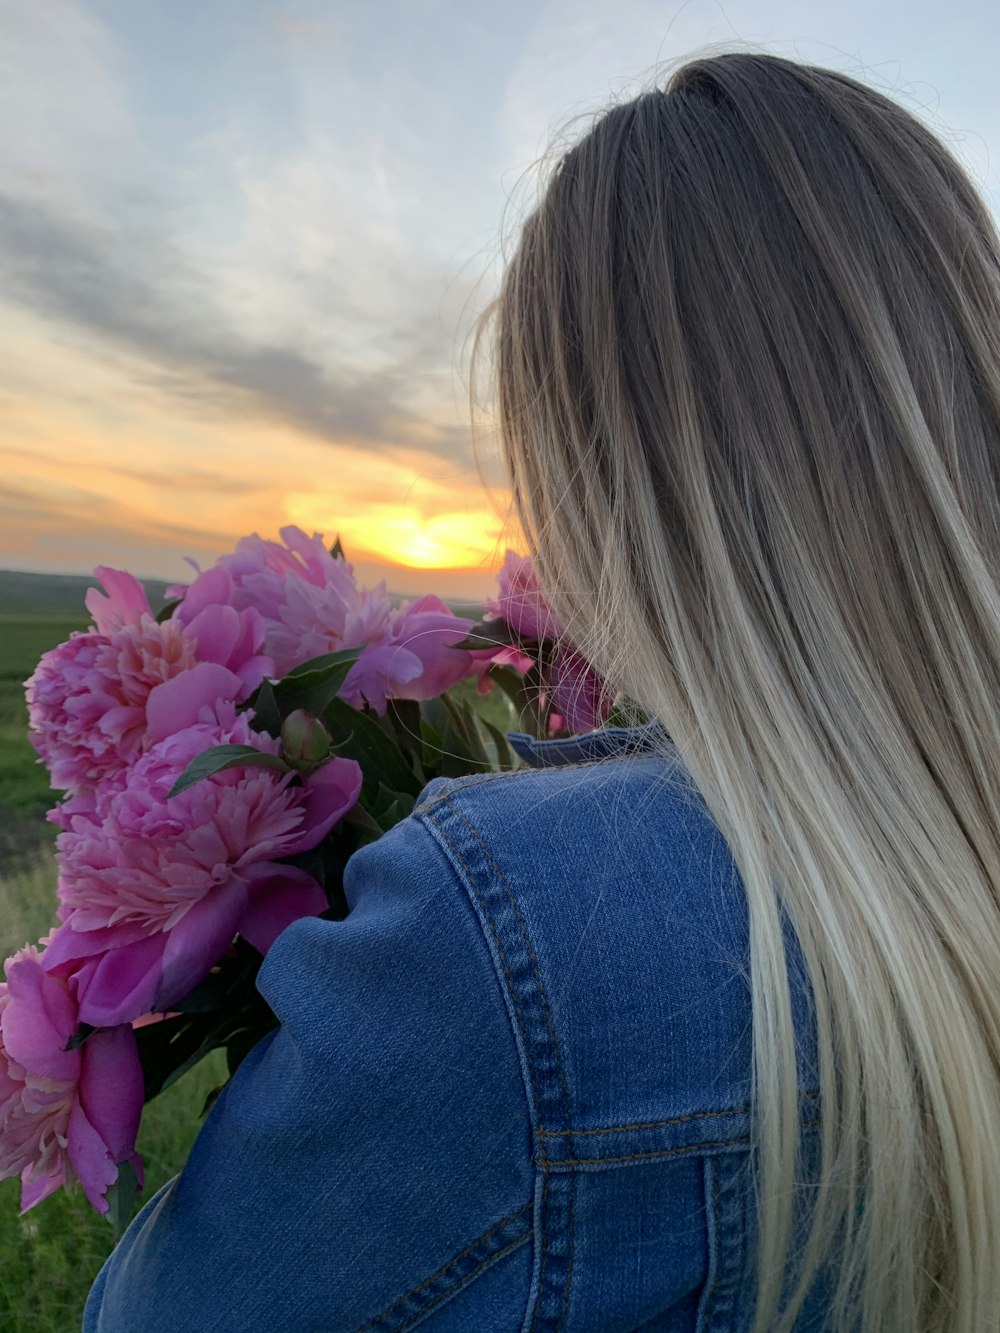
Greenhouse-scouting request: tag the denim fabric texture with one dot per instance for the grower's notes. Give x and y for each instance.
(510, 1092)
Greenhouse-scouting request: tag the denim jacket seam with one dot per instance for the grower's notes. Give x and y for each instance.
(679, 1150)
(522, 996)
(644, 1156)
(707, 1313)
(670, 1120)
(730, 1221)
(460, 1279)
(478, 779)
(550, 1024)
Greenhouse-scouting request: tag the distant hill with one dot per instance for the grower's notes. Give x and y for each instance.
(58, 594)
(63, 594)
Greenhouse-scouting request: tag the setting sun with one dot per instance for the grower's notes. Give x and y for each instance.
(471, 538)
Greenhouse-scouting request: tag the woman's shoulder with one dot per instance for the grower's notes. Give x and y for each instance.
(618, 926)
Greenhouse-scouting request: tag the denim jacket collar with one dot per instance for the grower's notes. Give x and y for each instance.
(597, 744)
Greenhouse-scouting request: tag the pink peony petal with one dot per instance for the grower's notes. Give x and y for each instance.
(89, 1157)
(213, 588)
(28, 987)
(36, 1188)
(177, 703)
(276, 901)
(578, 694)
(198, 941)
(381, 670)
(68, 946)
(216, 632)
(111, 1088)
(76, 1117)
(120, 984)
(29, 1036)
(521, 602)
(329, 793)
(125, 604)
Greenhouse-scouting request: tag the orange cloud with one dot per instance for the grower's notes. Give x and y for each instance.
(98, 468)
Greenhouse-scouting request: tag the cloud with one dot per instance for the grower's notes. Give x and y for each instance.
(272, 245)
(154, 305)
(65, 131)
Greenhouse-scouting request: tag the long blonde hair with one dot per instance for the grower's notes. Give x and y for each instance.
(746, 365)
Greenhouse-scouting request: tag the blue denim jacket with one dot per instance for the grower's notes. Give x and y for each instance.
(510, 1092)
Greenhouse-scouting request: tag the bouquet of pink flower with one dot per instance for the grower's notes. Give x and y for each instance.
(221, 760)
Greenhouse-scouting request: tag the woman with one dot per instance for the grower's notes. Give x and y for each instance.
(697, 1030)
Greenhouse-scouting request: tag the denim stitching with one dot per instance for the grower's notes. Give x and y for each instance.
(655, 1124)
(659, 1152)
(512, 990)
(531, 953)
(440, 1272)
(477, 779)
(727, 1281)
(662, 1152)
(708, 1313)
(543, 1256)
(496, 938)
(552, 1035)
(490, 1259)
(526, 940)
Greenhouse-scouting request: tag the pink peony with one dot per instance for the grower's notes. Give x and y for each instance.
(412, 658)
(99, 700)
(520, 601)
(153, 888)
(308, 599)
(311, 604)
(64, 1115)
(580, 699)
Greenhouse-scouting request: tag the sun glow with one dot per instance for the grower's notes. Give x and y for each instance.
(458, 539)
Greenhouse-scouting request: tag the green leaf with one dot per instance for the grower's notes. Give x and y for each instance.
(392, 814)
(313, 684)
(343, 657)
(220, 757)
(389, 807)
(169, 1048)
(263, 703)
(121, 1199)
(452, 758)
(165, 612)
(217, 1035)
(504, 756)
(465, 726)
(336, 550)
(210, 1100)
(230, 982)
(471, 721)
(366, 824)
(626, 714)
(523, 692)
(430, 735)
(359, 736)
(405, 718)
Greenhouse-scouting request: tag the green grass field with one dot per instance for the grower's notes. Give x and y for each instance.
(50, 1257)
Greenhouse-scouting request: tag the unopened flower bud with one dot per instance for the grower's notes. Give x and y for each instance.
(305, 742)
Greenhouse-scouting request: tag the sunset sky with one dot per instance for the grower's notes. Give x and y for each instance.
(242, 245)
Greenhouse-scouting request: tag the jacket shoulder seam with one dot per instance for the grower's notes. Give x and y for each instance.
(479, 779)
